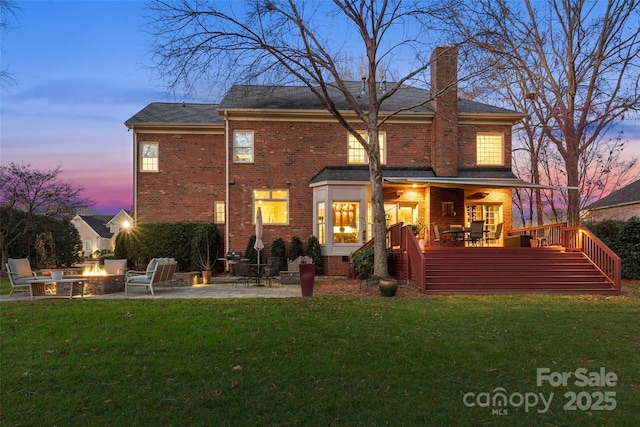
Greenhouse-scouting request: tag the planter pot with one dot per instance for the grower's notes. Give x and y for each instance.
(206, 277)
(388, 288)
(307, 278)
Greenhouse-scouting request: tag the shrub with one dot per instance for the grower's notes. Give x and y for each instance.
(315, 252)
(623, 237)
(251, 254)
(278, 249)
(296, 248)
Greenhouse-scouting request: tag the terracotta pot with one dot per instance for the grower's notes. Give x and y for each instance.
(206, 277)
(307, 278)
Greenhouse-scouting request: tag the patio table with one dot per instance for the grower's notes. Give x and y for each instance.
(41, 281)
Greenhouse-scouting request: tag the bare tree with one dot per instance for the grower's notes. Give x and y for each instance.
(205, 41)
(27, 194)
(577, 66)
(8, 11)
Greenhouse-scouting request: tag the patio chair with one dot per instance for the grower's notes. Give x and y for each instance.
(20, 274)
(162, 273)
(477, 232)
(272, 269)
(115, 266)
(497, 234)
(241, 270)
(543, 239)
(436, 235)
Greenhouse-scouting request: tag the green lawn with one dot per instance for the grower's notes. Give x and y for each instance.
(320, 361)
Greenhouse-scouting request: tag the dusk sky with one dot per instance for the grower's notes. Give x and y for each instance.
(81, 70)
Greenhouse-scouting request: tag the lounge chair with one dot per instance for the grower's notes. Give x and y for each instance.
(20, 274)
(159, 271)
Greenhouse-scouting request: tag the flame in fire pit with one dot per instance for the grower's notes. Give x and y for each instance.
(95, 270)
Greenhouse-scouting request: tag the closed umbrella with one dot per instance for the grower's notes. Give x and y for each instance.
(259, 245)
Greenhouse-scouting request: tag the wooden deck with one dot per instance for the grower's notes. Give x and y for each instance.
(500, 270)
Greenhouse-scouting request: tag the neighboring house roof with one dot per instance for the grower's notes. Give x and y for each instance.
(177, 113)
(99, 224)
(302, 98)
(623, 196)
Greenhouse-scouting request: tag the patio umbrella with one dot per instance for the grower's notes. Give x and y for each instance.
(259, 245)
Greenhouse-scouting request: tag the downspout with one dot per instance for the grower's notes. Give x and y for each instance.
(226, 186)
(135, 176)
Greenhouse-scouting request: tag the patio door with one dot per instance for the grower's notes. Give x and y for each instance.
(491, 213)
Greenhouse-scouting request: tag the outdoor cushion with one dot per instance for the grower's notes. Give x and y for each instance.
(20, 267)
(152, 265)
(139, 279)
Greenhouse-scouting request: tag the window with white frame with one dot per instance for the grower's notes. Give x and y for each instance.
(243, 146)
(274, 205)
(490, 149)
(322, 222)
(219, 212)
(357, 153)
(149, 157)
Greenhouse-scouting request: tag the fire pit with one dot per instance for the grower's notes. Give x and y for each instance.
(96, 281)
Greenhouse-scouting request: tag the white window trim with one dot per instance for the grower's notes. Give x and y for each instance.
(253, 154)
(382, 138)
(142, 156)
(215, 212)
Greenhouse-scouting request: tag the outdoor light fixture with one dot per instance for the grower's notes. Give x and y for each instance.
(363, 91)
(383, 87)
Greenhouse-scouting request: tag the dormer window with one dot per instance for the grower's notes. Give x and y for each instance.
(490, 149)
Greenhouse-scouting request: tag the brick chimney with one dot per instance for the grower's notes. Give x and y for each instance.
(444, 90)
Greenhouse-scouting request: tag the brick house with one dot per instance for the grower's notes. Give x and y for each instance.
(446, 162)
(622, 204)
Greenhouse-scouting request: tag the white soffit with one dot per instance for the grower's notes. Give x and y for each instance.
(476, 182)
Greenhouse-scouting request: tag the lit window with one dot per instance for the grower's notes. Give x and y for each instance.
(274, 205)
(243, 146)
(219, 212)
(357, 153)
(346, 219)
(149, 157)
(322, 224)
(490, 149)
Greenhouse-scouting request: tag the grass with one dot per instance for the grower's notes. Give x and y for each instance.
(326, 360)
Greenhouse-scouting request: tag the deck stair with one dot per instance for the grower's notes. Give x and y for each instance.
(512, 270)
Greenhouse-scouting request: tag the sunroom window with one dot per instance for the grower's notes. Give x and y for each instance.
(346, 222)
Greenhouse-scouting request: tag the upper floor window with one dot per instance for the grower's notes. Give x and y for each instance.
(149, 157)
(274, 205)
(357, 153)
(218, 212)
(490, 149)
(243, 146)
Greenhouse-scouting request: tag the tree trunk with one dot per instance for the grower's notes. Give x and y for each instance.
(380, 268)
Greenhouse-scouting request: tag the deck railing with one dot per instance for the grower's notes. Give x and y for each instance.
(577, 238)
(581, 239)
(549, 235)
(403, 243)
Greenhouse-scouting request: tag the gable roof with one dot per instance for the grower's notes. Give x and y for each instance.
(99, 224)
(249, 97)
(176, 113)
(623, 196)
